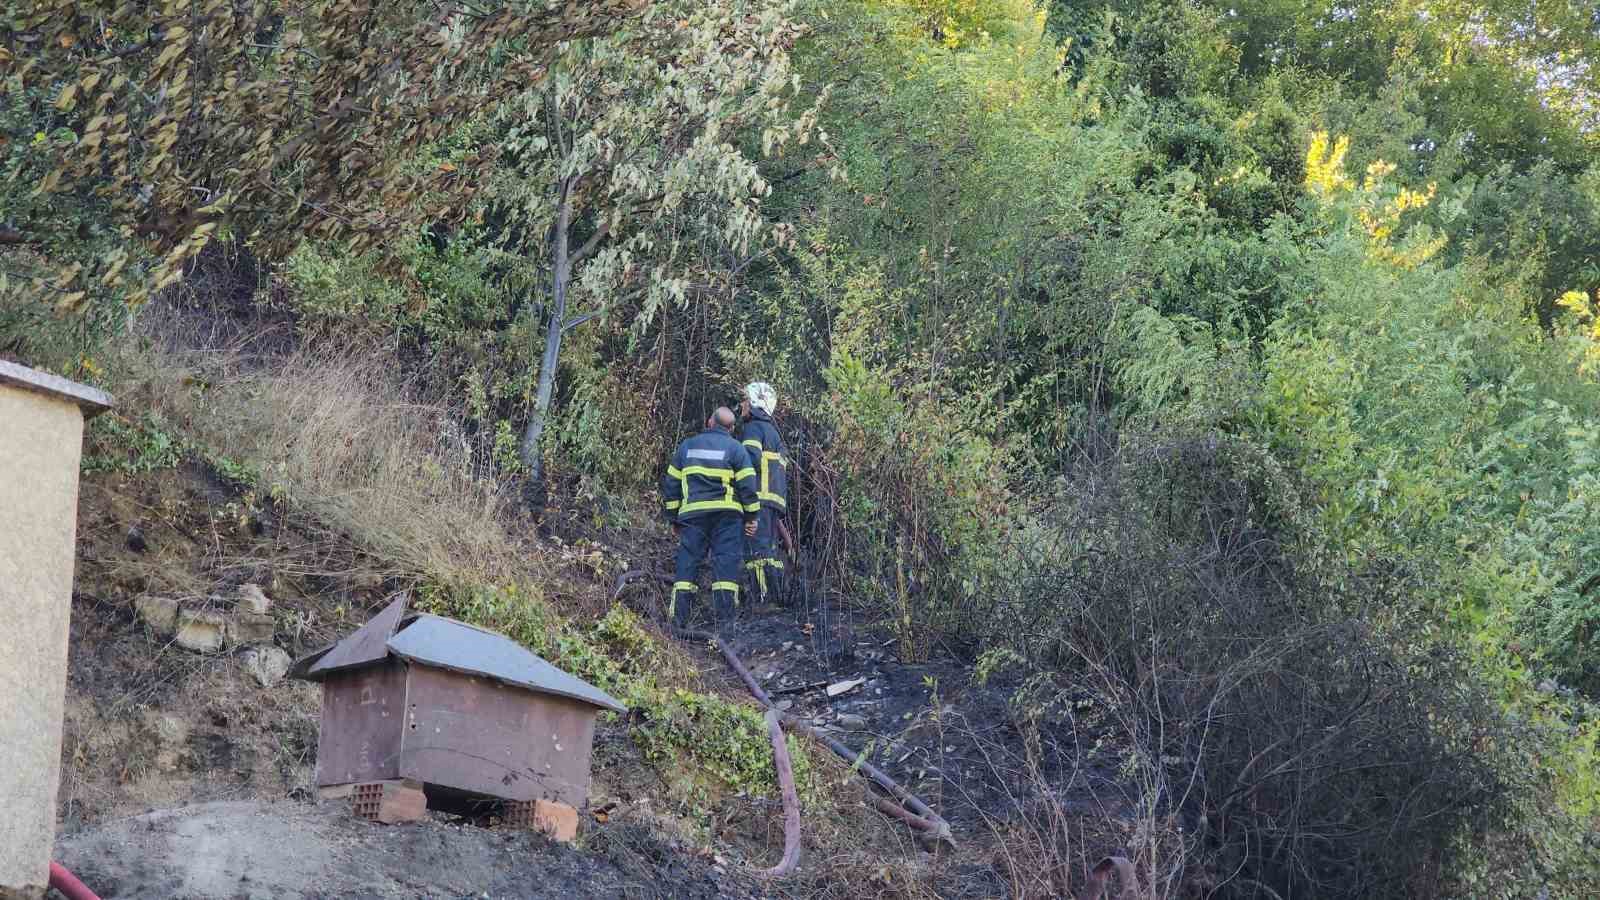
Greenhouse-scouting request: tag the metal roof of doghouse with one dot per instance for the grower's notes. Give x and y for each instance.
(447, 644)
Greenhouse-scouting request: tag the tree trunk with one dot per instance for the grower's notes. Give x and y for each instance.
(535, 494)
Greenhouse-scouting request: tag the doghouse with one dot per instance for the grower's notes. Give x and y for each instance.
(465, 714)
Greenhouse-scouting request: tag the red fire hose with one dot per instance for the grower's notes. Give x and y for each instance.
(68, 883)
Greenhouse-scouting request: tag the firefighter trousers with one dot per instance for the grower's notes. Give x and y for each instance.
(721, 535)
(762, 560)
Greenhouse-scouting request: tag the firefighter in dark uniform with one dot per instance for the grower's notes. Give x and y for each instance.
(771, 462)
(709, 493)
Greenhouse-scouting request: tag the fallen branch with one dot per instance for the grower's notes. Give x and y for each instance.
(798, 688)
(791, 799)
(916, 813)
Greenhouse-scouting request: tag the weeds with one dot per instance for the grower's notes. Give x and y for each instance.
(365, 459)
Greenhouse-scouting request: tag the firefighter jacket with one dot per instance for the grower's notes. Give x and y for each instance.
(767, 457)
(710, 472)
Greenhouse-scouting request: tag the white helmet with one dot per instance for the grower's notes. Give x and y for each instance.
(762, 396)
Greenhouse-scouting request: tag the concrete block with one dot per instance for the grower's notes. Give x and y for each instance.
(558, 820)
(201, 630)
(160, 613)
(389, 802)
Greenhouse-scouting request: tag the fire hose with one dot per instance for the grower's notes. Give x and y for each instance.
(910, 809)
(919, 815)
(68, 884)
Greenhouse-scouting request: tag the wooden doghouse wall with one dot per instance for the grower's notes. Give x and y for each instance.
(363, 713)
(476, 734)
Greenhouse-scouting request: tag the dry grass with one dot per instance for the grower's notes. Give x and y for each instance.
(364, 460)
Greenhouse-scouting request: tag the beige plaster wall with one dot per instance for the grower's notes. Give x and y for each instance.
(40, 442)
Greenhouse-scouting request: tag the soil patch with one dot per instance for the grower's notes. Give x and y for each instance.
(300, 851)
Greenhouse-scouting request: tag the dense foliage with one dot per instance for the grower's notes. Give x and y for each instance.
(1235, 362)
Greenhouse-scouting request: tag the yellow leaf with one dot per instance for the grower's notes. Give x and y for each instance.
(67, 39)
(67, 96)
(72, 302)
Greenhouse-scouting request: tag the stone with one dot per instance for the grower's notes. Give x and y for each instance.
(160, 613)
(267, 665)
(558, 820)
(252, 600)
(136, 541)
(852, 722)
(250, 628)
(201, 630)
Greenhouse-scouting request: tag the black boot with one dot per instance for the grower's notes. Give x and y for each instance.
(725, 604)
(681, 603)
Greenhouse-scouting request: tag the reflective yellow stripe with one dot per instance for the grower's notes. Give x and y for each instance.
(774, 498)
(775, 563)
(703, 505)
(767, 456)
(744, 473)
(753, 507)
(761, 579)
(725, 586)
(752, 443)
(717, 472)
(724, 475)
(674, 472)
(674, 504)
(689, 586)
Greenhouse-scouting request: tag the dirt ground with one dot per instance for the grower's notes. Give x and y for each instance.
(256, 850)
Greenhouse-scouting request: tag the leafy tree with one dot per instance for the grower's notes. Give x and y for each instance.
(626, 187)
(136, 133)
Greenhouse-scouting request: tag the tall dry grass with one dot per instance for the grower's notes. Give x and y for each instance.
(363, 458)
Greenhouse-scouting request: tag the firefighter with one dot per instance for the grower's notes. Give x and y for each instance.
(709, 491)
(771, 463)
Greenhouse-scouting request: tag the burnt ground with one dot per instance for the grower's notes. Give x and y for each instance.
(298, 851)
(954, 742)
